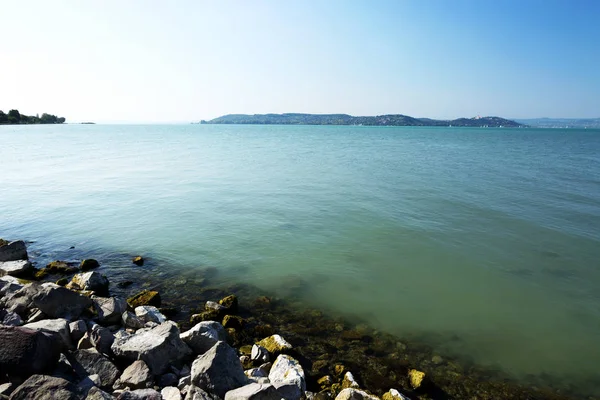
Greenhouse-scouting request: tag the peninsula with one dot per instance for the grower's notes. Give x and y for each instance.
(345, 119)
(14, 117)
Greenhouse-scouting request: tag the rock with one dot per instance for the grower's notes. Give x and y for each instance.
(90, 361)
(85, 342)
(88, 264)
(205, 316)
(230, 303)
(24, 352)
(140, 394)
(124, 284)
(213, 306)
(10, 318)
(204, 335)
(138, 260)
(149, 314)
(218, 370)
(287, 376)
(77, 329)
(15, 268)
(168, 379)
(6, 389)
(92, 280)
(158, 347)
(136, 376)
(145, 298)
(393, 394)
(98, 394)
(255, 373)
(416, 378)
(58, 328)
(259, 354)
(13, 251)
(102, 339)
(349, 381)
(87, 382)
(36, 315)
(184, 381)
(275, 344)
(325, 382)
(42, 387)
(57, 267)
(21, 300)
(253, 391)
(355, 394)
(437, 360)
(130, 320)
(109, 309)
(170, 393)
(9, 285)
(59, 302)
(62, 282)
(233, 321)
(195, 393)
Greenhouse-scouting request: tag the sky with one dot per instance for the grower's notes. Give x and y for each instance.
(183, 61)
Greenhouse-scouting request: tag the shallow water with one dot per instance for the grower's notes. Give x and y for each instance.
(483, 242)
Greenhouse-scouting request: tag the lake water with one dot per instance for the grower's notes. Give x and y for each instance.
(483, 242)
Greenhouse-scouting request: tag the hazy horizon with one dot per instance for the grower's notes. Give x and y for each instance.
(152, 62)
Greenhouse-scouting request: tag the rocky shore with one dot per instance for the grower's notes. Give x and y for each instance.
(64, 335)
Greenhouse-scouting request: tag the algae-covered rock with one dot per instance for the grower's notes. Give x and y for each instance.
(59, 267)
(325, 381)
(349, 381)
(139, 260)
(92, 280)
(393, 394)
(233, 321)
(275, 344)
(62, 282)
(230, 303)
(145, 298)
(89, 264)
(416, 378)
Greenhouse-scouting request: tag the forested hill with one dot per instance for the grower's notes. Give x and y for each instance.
(344, 119)
(14, 117)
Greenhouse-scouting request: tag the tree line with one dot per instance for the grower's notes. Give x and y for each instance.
(14, 117)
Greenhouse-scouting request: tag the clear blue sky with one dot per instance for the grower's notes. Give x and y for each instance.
(152, 61)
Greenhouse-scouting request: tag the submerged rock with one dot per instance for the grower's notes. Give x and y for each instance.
(218, 370)
(230, 303)
(13, 251)
(204, 335)
(145, 298)
(139, 260)
(15, 268)
(43, 387)
(416, 378)
(88, 264)
(24, 352)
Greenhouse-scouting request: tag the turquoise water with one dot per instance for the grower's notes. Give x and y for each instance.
(484, 242)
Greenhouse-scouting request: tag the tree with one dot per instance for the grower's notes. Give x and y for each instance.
(14, 117)
(3, 118)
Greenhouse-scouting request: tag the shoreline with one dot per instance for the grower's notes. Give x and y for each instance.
(378, 361)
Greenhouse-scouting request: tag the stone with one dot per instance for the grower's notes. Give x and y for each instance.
(218, 370)
(21, 300)
(259, 354)
(13, 251)
(158, 347)
(139, 260)
(57, 267)
(349, 381)
(355, 394)
(136, 376)
(85, 342)
(86, 383)
(416, 378)
(98, 394)
(196, 393)
(325, 381)
(437, 360)
(9, 285)
(90, 361)
(275, 344)
(253, 391)
(10, 318)
(42, 387)
(204, 335)
(393, 394)
(102, 339)
(62, 282)
(140, 394)
(58, 328)
(24, 352)
(184, 381)
(59, 302)
(214, 306)
(77, 329)
(109, 309)
(149, 314)
(255, 373)
(131, 321)
(145, 298)
(6, 389)
(170, 393)
(168, 379)
(91, 280)
(15, 268)
(88, 264)
(233, 321)
(230, 303)
(288, 378)
(36, 315)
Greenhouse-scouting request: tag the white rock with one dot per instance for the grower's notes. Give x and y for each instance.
(218, 370)
(355, 394)
(170, 393)
(253, 391)
(349, 381)
(91, 280)
(130, 320)
(204, 335)
(15, 267)
(288, 378)
(259, 354)
(150, 314)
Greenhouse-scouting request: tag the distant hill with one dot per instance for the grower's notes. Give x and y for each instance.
(562, 122)
(344, 119)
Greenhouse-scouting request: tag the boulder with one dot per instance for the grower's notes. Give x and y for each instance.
(98, 394)
(91, 362)
(24, 352)
(15, 268)
(170, 393)
(349, 381)
(204, 335)
(393, 394)
(149, 314)
(91, 280)
(145, 298)
(6, 389)
(259, 354)
(158, 347)
(101, 338)
(195, 393)
(416, 378)
(9, 285)
(10, 318)
(131, 321)
(77, 329)
(136, 376)
(58, 328)
(288, 378)
(230, 303)
(13, 251)
(168, 379)
(140, 394)
(233, 321)
(59, 302)
(275, 344)
(109, 309)
(139, 260)
(88, 264)
(57, 267)
(35, 315)
(43, 387)
(21, 300)
(253, 391)
(218, 370)
(255, 373)
(355, 394)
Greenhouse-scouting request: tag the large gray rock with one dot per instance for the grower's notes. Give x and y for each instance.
(91, 362)
(98, 394)
(77, 329)
(218, 370)
(43, 387)
(149, 314)
(10, 318)
(24, 352)
(15, 268)
(170, 393)
(140, 394)
(21, 300)
(59, 302)
(13, 251)
(136, 376)
(195, 393)
(275, 344)
(254, 391)
(109, 309)
(130, 320)
(158, 347)
(59, 328)
(355, 394)
(9, 285)
(92, 280)
(102, 339)
(288, 378)
(204, 335)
